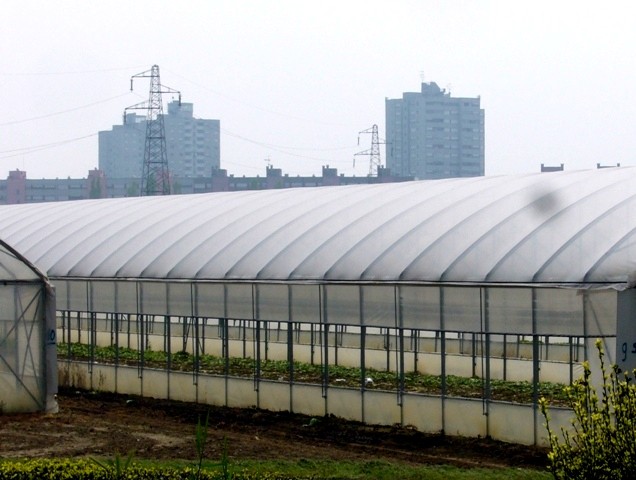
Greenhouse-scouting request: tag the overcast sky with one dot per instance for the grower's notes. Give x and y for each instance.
(293, 82)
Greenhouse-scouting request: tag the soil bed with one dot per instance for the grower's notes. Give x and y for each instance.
(101, 424)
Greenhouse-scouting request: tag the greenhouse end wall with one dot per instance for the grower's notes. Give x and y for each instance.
(28, 366)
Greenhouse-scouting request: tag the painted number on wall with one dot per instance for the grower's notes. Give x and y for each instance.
(625, 349)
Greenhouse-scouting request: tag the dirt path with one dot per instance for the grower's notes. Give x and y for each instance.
(91, 424)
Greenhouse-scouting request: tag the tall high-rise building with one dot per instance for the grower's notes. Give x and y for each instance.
(430, 134)
(193, 144)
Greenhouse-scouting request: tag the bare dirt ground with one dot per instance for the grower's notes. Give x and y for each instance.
(97, 424)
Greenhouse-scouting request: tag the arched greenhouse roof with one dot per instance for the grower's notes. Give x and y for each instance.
(556, 228)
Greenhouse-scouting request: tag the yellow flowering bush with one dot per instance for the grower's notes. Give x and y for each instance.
(602, 442)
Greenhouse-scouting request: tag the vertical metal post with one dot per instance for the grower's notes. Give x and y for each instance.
(140, 344)
(225, 341)
(335, 344)
(290, 350)
(473, 347)
(505, 356)
(225, 344)
(387, 346)
(79, 327)
(415, 345)
(442, 328)
(117, 347)
(257, 347)
(585, 327)
(571, 359)
(92, 332)
(535, 365)
(265, 325)
(325, 362)
(290, 346)
(243, 329)
(196, 352)
(397, 315)
(485, 313)
(363, 368)
(204, 325)
(324, 321)
(168, 343)
(66, 319)
(400, 366)
(311, 343)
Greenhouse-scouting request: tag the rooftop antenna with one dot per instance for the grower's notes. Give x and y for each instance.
(155, 176)
(374, 152)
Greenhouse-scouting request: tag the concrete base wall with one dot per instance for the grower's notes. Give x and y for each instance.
(508, 422)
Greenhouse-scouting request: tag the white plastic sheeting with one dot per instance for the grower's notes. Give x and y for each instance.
(557, 228)
(14, 268)
(28, 368)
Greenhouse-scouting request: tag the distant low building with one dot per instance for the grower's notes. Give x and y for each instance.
(17, 188)
(551, 168)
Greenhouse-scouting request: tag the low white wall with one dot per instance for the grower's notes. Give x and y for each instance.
(455, 416)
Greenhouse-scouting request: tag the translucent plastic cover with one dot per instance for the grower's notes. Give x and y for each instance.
(564, 228)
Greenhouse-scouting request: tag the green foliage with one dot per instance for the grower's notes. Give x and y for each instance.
(602, 443)
(49, 469)
(416, 382)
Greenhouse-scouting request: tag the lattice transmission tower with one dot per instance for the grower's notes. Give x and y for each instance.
(155, 176)
(373, 153)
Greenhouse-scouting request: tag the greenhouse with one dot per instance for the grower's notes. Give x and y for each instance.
(28, 368)
(419, 303)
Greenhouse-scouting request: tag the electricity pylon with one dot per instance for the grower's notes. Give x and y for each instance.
(374, 152)
(155, 176)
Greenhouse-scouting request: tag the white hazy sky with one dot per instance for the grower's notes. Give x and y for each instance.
(294, 81)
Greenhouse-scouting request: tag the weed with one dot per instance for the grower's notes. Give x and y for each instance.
(116, 466)
(200, 439)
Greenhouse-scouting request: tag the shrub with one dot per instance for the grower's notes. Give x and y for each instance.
(82, 469)
(602, 441)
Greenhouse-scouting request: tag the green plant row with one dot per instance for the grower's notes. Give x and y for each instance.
(414, 382)
(59, 469)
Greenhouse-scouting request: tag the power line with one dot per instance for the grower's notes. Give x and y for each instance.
(256, 107)
(37, 148)
(76, 72)
(276, 149)
(264, 144)
(48, 115)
